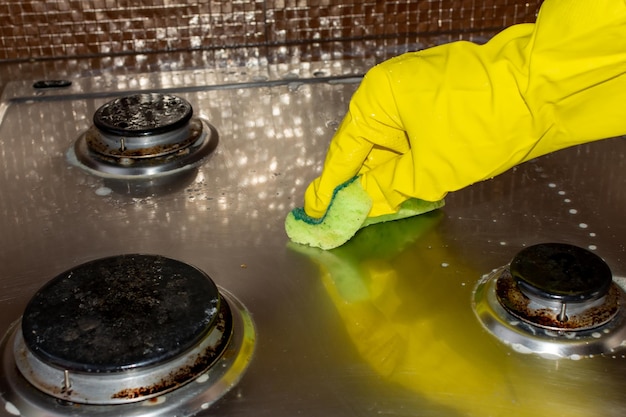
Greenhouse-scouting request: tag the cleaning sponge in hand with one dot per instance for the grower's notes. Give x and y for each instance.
(346, 214)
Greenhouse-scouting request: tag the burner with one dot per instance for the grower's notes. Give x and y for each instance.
(121, 313)
(553, 299)
(143, 115)
(559, 286)
(123, 330)
(142, 135)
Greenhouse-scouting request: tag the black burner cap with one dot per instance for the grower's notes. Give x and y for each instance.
(143, 114)
(561, 272)
(120, 313)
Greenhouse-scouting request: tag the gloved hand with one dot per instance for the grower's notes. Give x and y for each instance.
(427, 123)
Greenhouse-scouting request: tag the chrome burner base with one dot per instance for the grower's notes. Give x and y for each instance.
(121, 167)
(548, 343)
(23, 399)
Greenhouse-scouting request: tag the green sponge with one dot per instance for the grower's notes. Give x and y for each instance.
(346, 214)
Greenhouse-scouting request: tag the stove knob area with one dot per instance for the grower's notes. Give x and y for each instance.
(561, 272)
(553, 299)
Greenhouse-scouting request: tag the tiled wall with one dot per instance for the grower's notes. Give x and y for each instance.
(273, 29)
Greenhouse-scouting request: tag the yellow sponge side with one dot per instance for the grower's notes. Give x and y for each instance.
(346, 214)
(344, 217)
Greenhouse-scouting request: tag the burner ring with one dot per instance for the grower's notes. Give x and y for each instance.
(143, 135)
(135, 165)
(556, 315)
(109, 388)
(552, 326)
(115, 148)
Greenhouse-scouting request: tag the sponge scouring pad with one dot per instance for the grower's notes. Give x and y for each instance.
(346, 214)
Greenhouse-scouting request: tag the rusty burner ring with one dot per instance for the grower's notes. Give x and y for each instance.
(144, 134)
(556, 315)
(554, 300)
(109, 388)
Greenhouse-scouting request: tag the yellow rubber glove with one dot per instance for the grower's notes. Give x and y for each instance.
(430, 122)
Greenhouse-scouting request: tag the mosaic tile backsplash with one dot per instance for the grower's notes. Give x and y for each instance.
(272, 30)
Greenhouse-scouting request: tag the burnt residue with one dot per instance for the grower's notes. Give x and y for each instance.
(200, 364)
(143, 114)
(519, 305)
(123, 148)
(561, 272)
(119, 313)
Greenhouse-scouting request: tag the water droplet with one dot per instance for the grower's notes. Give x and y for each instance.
(11, 409)
(103, 191)
(573, 211)
(294, 86)
(583, 225)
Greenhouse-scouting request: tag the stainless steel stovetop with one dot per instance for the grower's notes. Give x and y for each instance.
(382, 326)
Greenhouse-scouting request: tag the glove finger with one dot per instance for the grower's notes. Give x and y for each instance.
(370, 132)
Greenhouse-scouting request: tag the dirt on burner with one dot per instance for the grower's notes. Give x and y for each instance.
(181, 376)
(519, 305)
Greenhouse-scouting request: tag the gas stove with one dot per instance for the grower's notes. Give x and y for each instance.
(144, 267)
